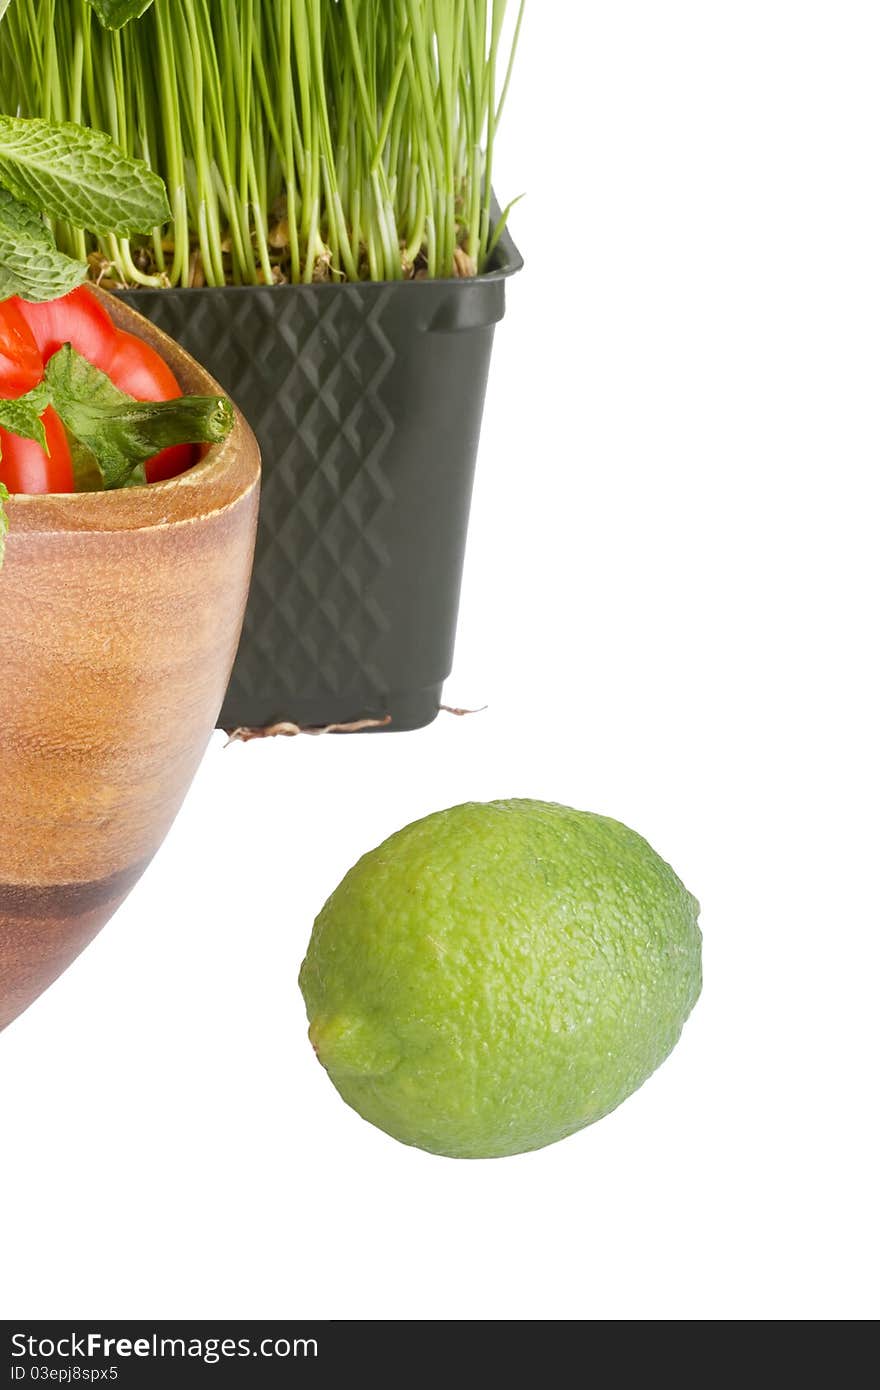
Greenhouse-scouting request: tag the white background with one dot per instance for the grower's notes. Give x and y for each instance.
(671, 608)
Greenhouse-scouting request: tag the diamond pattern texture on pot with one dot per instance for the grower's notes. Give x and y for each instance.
(367, 401)
(309, 382)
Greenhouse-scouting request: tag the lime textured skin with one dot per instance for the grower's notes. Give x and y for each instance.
(497, 976)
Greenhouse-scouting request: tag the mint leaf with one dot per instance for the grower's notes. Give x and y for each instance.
(22, 416)
(30, 266)
(111, 434)
(114, 14)
(37, 274)
(23, 222)
(78, 175)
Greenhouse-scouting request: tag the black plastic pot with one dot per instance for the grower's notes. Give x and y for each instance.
(367, 401)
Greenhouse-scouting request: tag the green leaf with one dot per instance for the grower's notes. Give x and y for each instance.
(138, 478)
(4, 520)
(37, 274)
(22, 416)
(111, 434)
(499, 227)
(79, 176)
(20, 221)
(30, 266)
(115, 14)
(87, 473)
(4, 6)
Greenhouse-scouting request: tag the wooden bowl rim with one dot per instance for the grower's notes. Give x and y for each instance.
(227, 472)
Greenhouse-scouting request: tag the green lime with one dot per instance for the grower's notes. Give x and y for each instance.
(495, 977)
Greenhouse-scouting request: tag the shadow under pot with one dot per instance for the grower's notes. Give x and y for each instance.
(123, 612)
(367, 401)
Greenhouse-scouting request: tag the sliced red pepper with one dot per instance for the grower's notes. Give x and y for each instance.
(78, 318)
(137, 369)
(27, 467)
(21, 366)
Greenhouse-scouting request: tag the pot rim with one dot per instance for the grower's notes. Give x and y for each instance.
(225, 473)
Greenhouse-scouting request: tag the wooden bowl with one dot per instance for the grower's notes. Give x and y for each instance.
(120, 615)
